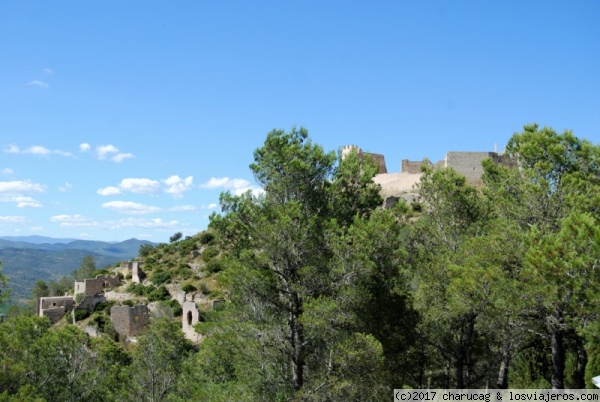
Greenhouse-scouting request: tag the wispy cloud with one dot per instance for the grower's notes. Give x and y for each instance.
(20, 186)
(12, 219)
(112, 153)
(140, 185)
(47, 71)
(80, 221)
(110, 190)
(209, 206)
(127, 207)
(65, 187)
(7, 171)
(174, 185)
(14, 192)
(35, 150)
(21, 201)
(238, 186)
(85, 147)
(183, 208)
(38, 84)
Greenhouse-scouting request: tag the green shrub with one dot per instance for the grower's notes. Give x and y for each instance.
(206, 238)
(137, 289)
(101, 306)
(209, 253)
(213, 266)
(81, 314)
(158, 294)
(189, 288)
(159, 277)
(128, 303)
(79, 297)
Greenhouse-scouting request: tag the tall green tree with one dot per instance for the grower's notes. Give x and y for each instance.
(86, 269)
(281, 263)
(553, 197)
(157, 362)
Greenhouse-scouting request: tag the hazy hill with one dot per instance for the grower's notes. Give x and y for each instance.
(25, 262)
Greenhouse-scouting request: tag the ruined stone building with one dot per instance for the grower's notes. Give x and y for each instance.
(55, 308)
(130, 320)
(401, 183)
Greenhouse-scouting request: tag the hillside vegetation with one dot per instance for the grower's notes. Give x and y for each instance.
(330, 297)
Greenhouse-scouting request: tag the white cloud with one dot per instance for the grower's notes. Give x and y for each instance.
(12, 219)
(237, 186)
(139, 185)
(127, 207)
(209, 206)
(48, 71)
(111, 152)
(74, 221)
(120, 157)
(110, 190)
(7, 171)
(85, 147)
(226, 183)
(39, 84)
(149, 223)
(180, 208)
(20, 186)
(36, 229)
(103, 150)
(26, 202)
(176, 186)
(35, 150)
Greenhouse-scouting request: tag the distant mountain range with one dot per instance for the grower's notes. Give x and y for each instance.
(27, 259)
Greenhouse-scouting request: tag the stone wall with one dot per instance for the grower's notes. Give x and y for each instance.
(89, 302)
(468, 164)
(129, 321)
(99, 284)
(414, 167)
(379, 158)
(55, 308)
(189, 318)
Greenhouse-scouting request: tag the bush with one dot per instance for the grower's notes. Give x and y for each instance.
(136, 288)
(206, 238)
(101, 306)
(158, 294)
(159, 277)
(129, 302)
(209, 253)
(213, 266)
(81, 314)
(189, 288)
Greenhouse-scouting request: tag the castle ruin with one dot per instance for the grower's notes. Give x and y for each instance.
(399, 184)
(130, 320)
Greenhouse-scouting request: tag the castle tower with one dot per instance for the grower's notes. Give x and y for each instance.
(346, 149)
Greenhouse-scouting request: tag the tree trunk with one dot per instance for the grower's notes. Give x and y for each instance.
(558, 357)
(297, 343)
(579, 377)
(502, 382)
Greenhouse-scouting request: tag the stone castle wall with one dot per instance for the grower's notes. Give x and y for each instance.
(99, 284)
(401, 183)
(129, 321)
(55, 308)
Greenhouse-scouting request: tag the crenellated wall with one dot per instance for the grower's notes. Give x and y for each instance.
(396, 184)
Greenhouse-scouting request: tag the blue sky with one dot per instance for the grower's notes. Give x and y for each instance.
(123, 119)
